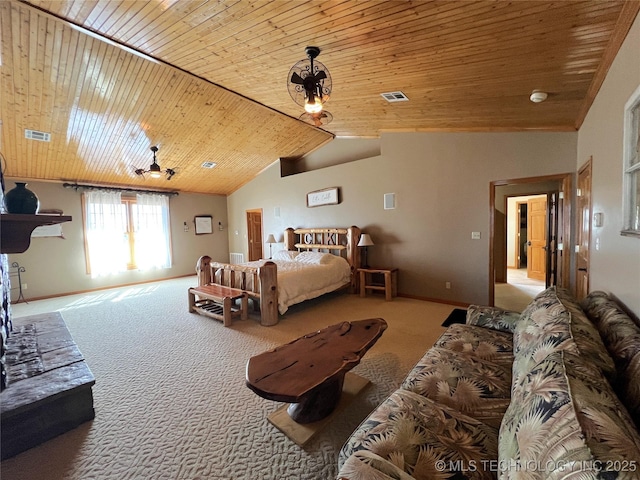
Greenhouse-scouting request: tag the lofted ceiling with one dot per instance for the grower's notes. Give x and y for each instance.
(206, 81)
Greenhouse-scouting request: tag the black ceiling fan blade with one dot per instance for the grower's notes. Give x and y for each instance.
(297, 79)
(321, 75)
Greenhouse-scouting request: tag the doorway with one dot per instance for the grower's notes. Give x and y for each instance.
(254, 234)
(526, 243)
(548, 219)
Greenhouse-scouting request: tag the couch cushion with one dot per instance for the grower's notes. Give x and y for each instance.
(425, 439)
(564, 420)
(364, 465)
(478, 342)
(492, 317)
(554, 321)
(604, 420)
(621, 336)
(476, 387)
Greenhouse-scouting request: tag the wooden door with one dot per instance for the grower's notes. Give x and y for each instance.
(537, 238)
(583, 213)
(254, 229)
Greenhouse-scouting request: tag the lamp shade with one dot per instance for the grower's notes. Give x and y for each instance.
(271, 239)
(365, 240)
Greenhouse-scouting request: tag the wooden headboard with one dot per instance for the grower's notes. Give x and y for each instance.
(338, 241)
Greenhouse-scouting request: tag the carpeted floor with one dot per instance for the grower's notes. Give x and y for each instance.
(170, 397)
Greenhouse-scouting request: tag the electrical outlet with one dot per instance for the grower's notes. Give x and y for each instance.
(24, 286)
(447, 285)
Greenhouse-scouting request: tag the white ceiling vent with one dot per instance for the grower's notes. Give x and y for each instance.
(395, 97)
(36, 135)
(208, 164)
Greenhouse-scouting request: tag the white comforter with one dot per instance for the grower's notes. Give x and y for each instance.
(308, 276)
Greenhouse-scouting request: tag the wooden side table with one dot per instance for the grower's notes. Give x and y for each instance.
(390, 285)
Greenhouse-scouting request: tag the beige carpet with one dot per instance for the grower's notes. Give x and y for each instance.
(170, 397)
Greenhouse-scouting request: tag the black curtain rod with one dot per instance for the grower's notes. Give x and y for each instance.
(77, 186)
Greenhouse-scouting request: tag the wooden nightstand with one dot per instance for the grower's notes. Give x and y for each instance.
(389, 284)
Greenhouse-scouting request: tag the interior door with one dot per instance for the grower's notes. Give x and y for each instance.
(254, 229)
(583, 201)
(537, 238)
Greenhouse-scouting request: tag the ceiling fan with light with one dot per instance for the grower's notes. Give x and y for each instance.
(154, 169)
(309, 85)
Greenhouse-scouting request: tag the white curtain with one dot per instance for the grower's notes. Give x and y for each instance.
(151, 226)
(106, 230)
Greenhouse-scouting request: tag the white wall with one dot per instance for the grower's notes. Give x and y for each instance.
(615, 263)
(56, 266)
(441, 181)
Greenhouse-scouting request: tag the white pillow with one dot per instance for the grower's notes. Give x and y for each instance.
(287, 255)
(315, 258)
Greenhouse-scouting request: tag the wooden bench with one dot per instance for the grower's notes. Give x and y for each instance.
(219, 302)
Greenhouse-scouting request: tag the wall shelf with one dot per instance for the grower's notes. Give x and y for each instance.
(15, 229)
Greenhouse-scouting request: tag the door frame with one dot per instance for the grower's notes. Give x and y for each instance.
(250, 239)
(565, 182)
(583, 229)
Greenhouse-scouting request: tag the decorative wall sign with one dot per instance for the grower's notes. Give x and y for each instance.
(203, 224)
(327, 196)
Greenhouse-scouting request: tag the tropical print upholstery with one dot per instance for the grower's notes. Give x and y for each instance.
(621, 336)
(554, 321)
(427, 440)
(564, 421)
(533, 404)
(365, 465)
(479, 388)
(478, 342)
(492, 317)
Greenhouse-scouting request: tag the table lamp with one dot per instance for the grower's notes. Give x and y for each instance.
(270, 240)
(365, 241)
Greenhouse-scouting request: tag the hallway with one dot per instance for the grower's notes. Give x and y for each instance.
(518, 291)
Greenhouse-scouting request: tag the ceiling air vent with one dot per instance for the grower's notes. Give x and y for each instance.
(36, 135)
(395, 97)
(208, 164)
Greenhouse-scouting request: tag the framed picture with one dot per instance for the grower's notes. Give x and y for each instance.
(204, 224)
(327, 196)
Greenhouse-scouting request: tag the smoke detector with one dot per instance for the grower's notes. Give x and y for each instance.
(537, 96)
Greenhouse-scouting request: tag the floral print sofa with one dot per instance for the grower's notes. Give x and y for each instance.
(513, 396)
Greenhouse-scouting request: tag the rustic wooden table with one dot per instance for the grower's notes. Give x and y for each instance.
(309, 372)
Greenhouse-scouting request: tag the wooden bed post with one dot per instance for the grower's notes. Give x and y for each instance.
(268, 294)
(353, 256)
(203, 269)
(289, 239)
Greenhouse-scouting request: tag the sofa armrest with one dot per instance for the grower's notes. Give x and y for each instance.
(492, 317)
(365, 464)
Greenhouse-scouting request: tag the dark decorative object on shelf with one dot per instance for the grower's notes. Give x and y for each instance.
(21, 200)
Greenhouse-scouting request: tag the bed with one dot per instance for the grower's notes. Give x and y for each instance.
(314, 261)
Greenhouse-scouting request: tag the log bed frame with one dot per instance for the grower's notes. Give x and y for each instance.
(263, 281)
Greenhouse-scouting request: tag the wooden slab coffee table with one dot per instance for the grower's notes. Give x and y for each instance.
(309, 372)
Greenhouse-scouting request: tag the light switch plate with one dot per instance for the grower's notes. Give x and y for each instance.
(475, 235)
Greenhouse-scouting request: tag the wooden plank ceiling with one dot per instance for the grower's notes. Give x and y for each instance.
(206, 81)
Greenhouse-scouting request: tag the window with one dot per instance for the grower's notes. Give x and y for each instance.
(631, 185)
(125, 233)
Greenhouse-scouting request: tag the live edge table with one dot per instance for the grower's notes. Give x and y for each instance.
(309, 373)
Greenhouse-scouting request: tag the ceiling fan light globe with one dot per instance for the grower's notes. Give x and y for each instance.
(313, 107)
(154, 174)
